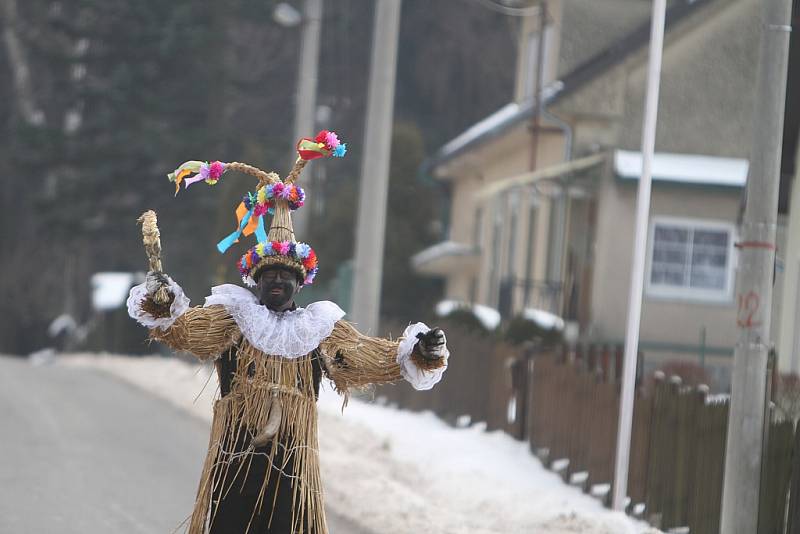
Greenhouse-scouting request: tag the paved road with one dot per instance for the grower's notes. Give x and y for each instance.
(84, 453)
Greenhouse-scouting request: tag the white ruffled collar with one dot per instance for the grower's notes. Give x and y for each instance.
(290, 334)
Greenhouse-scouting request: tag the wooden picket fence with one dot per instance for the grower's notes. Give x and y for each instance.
(566, 405)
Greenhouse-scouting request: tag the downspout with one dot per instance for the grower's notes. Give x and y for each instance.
(558, 214)
(558, 217)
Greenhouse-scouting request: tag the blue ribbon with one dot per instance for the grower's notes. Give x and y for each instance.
(261, 233)
(226, 243)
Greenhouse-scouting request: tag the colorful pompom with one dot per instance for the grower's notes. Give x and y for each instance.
(215, 170)
(321, 136)
(260, 209)
(204, 171)
(292, 193)
(331, 140)
(325, 144)
(289, 249)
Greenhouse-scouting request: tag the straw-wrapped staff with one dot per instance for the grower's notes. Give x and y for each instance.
(151, 238)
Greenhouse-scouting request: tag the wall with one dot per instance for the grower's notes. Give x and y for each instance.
(673, 321)
(503, 158)
(707, 84)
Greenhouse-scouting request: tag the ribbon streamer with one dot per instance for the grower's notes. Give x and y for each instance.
(226, 243)
(261, 233)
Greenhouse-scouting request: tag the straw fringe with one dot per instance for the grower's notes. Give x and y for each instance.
(280, 260)
(205, 332)
(354, 360)
(349, 358)
(238, 417)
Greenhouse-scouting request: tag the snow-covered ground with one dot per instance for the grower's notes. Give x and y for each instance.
(396, 472)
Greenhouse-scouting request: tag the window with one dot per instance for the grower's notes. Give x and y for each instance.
(691, 259)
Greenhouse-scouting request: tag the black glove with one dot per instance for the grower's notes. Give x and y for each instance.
(154, 281)
(432, 344)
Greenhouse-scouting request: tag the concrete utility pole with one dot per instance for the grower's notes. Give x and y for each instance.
(620, 489)
(754, 280)
(371, 222)
(306, 101)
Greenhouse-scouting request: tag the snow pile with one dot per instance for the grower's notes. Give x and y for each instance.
(396, 472)
(544, 319)
(489, 317)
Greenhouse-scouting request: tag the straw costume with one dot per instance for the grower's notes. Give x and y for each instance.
(261, 474)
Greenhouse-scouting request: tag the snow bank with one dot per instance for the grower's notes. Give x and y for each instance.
(544, 319)
(396, 472)
(489, 317)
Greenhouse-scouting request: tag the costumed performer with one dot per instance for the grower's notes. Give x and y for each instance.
(261, 474)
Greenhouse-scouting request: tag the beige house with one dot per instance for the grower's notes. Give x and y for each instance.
(542, 211)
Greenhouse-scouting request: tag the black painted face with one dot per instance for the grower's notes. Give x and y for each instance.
(277, 286)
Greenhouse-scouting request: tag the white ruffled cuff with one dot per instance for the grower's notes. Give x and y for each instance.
(180, 303)
(419, 379)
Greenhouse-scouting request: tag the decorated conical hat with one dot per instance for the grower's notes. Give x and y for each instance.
(274, 197)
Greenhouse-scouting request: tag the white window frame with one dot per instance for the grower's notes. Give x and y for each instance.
(663, 291)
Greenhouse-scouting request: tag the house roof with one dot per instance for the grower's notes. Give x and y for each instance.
(514, 113)
(445, 258)
(684, 168)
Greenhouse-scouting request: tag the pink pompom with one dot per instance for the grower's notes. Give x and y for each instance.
(331, 140)
(260, 209)
(216, 169)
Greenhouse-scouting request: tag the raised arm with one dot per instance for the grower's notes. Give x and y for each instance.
(206, 332)
(354, 360)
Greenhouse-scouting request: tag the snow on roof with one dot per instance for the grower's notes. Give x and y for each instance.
(489, 317)
(445, 248)
(504, 116)
(684, 168)
(480, 128)
(544, 319)
(110, 290)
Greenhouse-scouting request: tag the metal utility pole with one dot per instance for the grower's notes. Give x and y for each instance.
(620, 488)
(306, 101)
(755, 276)
(371, 222)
